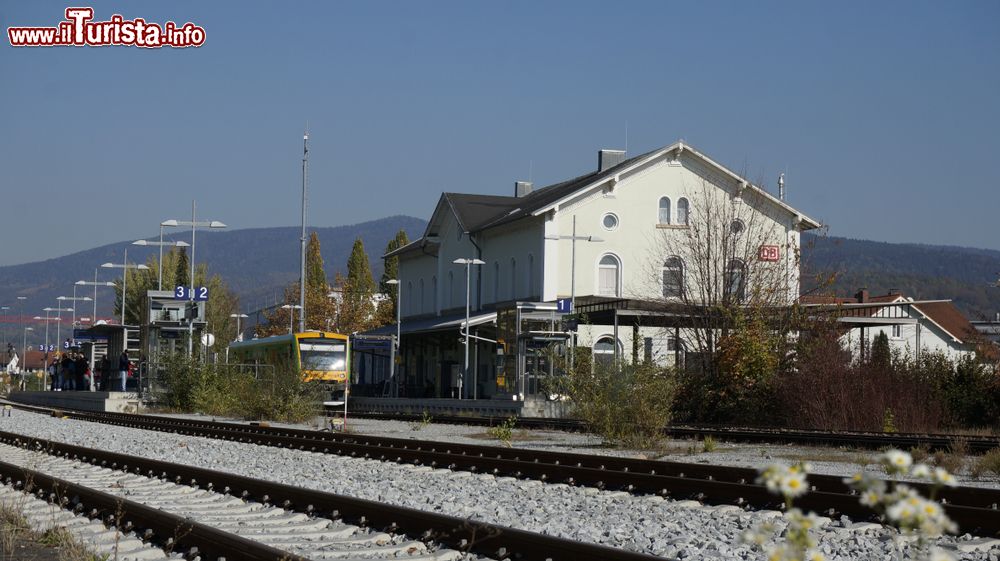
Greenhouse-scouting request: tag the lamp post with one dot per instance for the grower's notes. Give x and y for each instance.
(392, 350)
(193, 224)
(468, 267)
(24, 349)
(58, 319)
(20, 310)
(74, 299)
(572, 270)
(124, 266)
(239, 334)
(95, 284)
(291, 315)
(46, 349)
(161, 244)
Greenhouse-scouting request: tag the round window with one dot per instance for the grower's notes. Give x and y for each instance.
(610, 221)
(737, 226)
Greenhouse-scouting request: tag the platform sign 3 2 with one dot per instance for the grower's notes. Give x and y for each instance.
(199, 293)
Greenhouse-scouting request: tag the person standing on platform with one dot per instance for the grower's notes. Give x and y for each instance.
(124, 364)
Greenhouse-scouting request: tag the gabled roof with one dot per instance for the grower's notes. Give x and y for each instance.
(941, 313)
(480, 212)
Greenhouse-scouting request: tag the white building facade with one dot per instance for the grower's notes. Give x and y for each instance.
(623, 217)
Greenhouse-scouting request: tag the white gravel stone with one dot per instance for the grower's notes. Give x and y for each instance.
(615, 519)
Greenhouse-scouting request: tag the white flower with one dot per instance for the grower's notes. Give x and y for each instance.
(942, 477)
(896, 461)
(794, 485)
(814, 555)
(923, 471)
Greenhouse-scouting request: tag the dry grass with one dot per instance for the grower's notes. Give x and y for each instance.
(988, 463)
(15, 532)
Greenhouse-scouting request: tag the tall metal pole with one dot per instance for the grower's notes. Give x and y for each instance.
(159, 265)
(59, 326)
(465, 371)
(20, 321)
(124, 286)
(399, 307)
(572, 291)
(46, 350)
(95, 296)
(191, 287)
(302, 239)
(72, 325)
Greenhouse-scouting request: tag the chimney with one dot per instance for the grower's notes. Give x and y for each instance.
(862, 296)
(522, 188)
(607, 159)
(893, 291)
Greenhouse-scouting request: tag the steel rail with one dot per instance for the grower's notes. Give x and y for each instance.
(854, 439)
(151, 524)
(467, 456)
(973, 508)
(483, 538)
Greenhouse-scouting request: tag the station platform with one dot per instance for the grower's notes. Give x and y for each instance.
(119, 402)
(540, 408)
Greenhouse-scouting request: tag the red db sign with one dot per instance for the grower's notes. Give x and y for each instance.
(769, 253)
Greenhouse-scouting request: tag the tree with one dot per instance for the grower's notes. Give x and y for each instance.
(357, 306)
(881, 356)
(182, 269)
(321, 312)
(315, 274)
(387, 308)
(221, 301)
(740, 308)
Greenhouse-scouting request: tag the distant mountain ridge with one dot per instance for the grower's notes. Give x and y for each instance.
(258, 263)
(966, 275)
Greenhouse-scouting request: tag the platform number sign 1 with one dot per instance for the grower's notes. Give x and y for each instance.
(769, 253)
(200, 293)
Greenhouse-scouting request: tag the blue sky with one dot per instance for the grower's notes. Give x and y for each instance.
(884, 115)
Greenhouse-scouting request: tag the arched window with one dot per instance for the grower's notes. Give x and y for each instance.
(451, 289)
(673, 278)
(664, 210)
(531, 276)
(736, 280)
(683, 211)
(434, 294)
(422, 304)
(608, 273)
(604, 351)
(513, 278)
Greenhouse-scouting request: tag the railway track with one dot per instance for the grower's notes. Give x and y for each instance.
(974, 509)
(217, 515)
(853, 439)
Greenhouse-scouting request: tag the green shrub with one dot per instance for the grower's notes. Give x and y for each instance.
(629, 405)
(504, 432)
(277, 393)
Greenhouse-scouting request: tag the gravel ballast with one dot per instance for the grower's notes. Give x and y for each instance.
(673, 529)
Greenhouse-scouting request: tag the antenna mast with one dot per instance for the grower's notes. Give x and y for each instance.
(302, 240)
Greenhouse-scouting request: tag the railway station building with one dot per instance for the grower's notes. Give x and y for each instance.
(606, 242)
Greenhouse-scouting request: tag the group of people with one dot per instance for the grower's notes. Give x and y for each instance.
(71, 372)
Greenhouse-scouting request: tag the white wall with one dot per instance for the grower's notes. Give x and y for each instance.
(638, 242)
